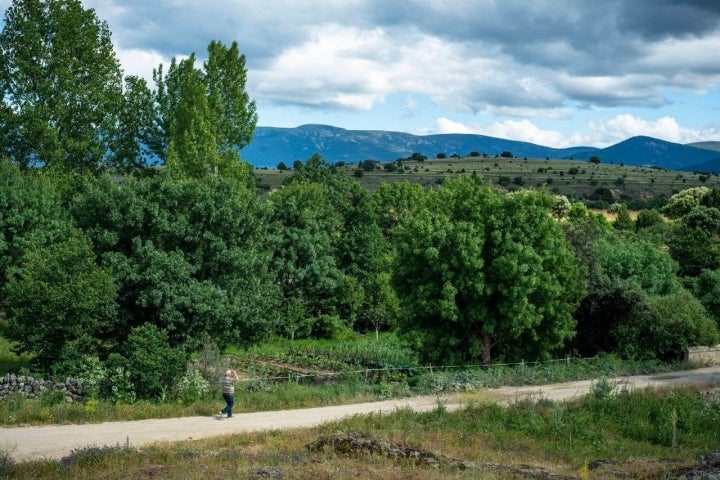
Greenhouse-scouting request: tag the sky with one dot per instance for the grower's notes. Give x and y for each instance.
(558, 73)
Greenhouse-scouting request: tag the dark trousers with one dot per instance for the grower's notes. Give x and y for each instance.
(230, 400)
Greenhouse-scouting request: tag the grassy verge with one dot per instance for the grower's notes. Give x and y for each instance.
(257, 394)
(629, 431)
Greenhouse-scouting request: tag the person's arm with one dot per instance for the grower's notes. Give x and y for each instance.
(235, 375)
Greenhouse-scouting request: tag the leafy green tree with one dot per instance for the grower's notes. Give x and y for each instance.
(640, 262)
(647, 219)
(134, 129)
(395, 202)
(31, 215)
(205, 117)
(706, 288)
(561, 207)
(154, 366)
(482, 276)
(675, 322)
(304, 262)
(60, 85)
(60, 304)
(684, 202)
(705, 218)
(594, 159)
(188, 255)
(693, 249)
(623, 221)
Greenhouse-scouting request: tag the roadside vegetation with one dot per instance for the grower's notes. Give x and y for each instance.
(595, 437)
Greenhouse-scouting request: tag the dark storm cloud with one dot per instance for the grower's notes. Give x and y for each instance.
(659, 19)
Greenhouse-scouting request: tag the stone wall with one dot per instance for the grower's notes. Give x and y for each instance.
(31, 387)
(703, 355)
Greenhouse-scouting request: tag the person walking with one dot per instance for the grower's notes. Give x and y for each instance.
(228, 391)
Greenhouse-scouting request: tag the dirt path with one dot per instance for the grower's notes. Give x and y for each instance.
(56, 441)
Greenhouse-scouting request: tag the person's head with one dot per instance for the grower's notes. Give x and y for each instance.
(228, 373)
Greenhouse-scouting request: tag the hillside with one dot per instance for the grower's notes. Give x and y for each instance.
(272, 145)
(652, 152)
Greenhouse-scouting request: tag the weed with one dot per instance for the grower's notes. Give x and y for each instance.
(602, 388)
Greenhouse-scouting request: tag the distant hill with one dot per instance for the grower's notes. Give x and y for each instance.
(272, 145)
(652, 152)
(706, 145)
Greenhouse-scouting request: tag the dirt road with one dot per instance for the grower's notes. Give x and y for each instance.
(56, 441)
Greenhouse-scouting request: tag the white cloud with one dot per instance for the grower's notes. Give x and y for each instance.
(625, 126)
(521, 130)
(140, 62)
(599, 134)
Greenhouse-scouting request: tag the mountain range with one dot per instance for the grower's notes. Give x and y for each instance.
(272, 145)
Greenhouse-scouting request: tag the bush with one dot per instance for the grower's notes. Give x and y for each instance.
(154, 366)
(50, 398)
(192, 386)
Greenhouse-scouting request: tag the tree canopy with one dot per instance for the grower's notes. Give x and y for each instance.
(61, 85)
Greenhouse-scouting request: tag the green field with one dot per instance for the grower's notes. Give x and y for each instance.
(575, 179)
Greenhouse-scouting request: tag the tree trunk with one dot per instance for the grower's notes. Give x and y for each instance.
(486, 349)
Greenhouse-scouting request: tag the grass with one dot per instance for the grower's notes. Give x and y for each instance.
(9, 361)
(575, 179)
(563, 438)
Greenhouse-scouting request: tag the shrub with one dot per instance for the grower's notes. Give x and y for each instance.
(192, 386)
(50, 398)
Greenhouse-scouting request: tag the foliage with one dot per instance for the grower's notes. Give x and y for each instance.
(647, 219)
(205, 117)
(60, 85)
(476, 271)
(192, 386)
(153, 365)
(706, 288)
(31, 215)
(186, 255)
(693, 249)
(301, 236)
(623, 220)
(685, 201)
(671, 324)
(77, 308)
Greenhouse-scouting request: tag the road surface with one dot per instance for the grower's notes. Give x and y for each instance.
(57, 441)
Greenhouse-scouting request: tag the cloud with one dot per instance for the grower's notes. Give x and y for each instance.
(512, 59)
(601, 133)
(520, 130)
(665, 128)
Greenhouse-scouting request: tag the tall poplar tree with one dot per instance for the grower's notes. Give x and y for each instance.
(204, 117)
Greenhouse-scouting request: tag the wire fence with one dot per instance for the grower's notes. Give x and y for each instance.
(367, 372)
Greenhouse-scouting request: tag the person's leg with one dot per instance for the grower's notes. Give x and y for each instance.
(231, 403)
(228, 403)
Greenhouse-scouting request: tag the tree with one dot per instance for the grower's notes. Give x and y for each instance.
(61, 85)
(205, 117)
(135, 122)
(561, 207)
(507, 154)
(481, 276)
(594, 159)
(60, 304)
(187, 255)
(303, 223)
(623, 221)
(675, 322)
(648, 218)
(684, 202)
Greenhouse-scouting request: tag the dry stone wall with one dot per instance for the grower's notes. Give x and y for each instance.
(12, 384)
